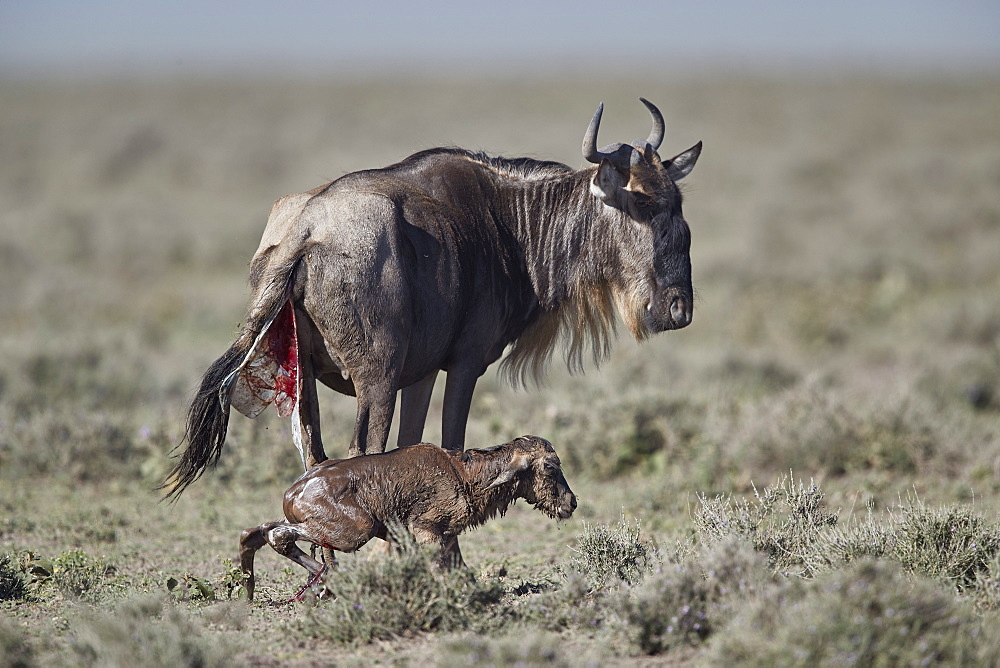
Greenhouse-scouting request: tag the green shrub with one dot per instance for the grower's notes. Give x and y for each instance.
(612, 554)
(13, 586)
(950, 543)
(145, 631)
(74, 573)
(524, 649)
(77, 574)
(15, 650)
(570, 604)
(869, 613)
(400, 595)
(784, 521)
(683, 604)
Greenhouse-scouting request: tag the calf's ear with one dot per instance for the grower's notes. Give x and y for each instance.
(504, 477)
(519, 461)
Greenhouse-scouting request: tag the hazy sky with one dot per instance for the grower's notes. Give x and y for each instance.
(343, 37)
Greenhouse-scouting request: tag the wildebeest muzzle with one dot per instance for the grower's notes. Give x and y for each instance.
(670, 308)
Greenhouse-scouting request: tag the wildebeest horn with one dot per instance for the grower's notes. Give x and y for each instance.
(590, 151)
(622, 154)
(656, 134)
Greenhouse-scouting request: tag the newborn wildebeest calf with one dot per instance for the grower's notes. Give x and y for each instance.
(341, 504)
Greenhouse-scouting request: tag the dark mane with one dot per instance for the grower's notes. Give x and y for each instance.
(524, 168)
(518, 168)
(578, 311)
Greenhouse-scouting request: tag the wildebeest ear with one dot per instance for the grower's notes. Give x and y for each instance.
(518, 462)
(607, 182)
(681, 165)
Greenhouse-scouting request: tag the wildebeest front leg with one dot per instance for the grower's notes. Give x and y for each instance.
(413, 410)
(457, 401)
(376, 405)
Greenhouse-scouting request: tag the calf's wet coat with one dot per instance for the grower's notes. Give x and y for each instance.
(436, 494)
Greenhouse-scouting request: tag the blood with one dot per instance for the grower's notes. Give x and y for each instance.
(301, 594)
(282, 341)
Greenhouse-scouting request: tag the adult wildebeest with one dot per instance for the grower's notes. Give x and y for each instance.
(341, 504)
(375, 282)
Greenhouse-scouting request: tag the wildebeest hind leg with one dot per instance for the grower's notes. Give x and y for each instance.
(308, 416)
(308, 409)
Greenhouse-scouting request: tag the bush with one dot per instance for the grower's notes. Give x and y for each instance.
(950, 543)
(870, 613)
(74, 573)
(533, 649)
(986, 592)
(571, 604)
(77, 574)
(13, 586)
(401, 595)
(685, 603)
(145, 631)
(612, 554)
(15, 650)
(784, 521)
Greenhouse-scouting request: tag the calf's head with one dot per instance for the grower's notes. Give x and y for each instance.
(655, 293)
(536, 472)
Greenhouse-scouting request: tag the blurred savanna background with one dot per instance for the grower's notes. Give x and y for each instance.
(817, 456)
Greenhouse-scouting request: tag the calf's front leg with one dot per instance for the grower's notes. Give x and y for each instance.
(281, 536)
(251, 540)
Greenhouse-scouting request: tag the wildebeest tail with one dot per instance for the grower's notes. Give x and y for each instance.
(208, 416)
(207, 424)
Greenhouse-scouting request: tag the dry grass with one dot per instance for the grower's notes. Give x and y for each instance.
(846, 234)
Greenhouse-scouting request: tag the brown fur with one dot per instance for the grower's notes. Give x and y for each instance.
(342, 504)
